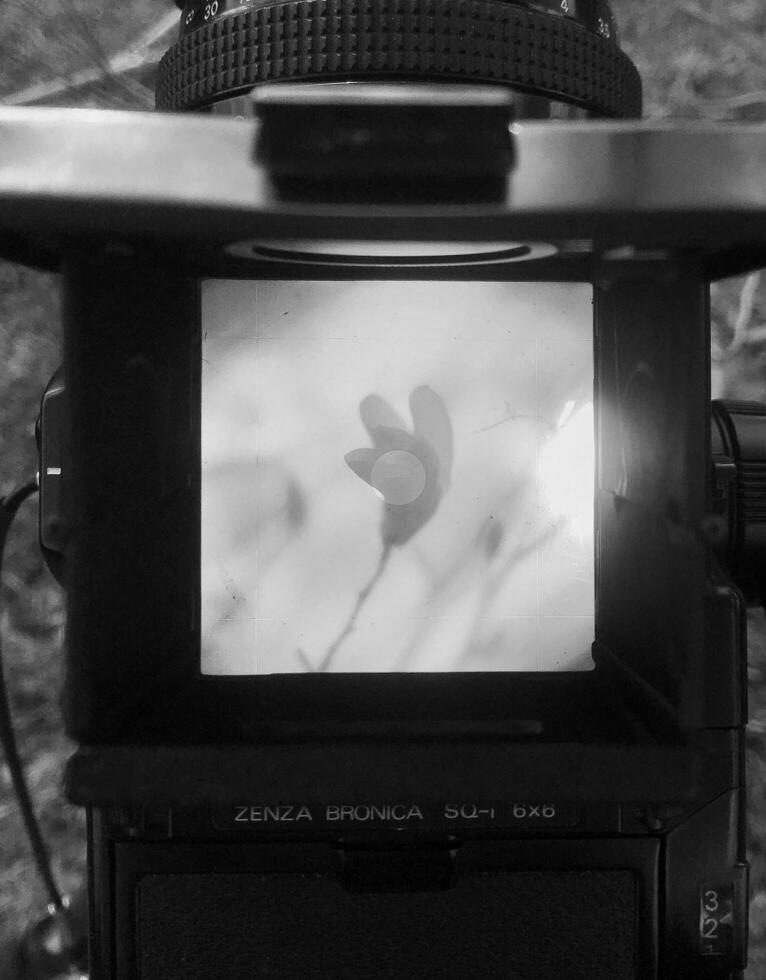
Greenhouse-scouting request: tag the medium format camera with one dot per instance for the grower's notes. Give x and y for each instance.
(406, 564)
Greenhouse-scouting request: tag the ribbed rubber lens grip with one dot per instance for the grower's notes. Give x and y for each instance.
(407, 40)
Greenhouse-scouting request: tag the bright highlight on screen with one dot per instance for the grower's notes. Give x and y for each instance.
(396, 476)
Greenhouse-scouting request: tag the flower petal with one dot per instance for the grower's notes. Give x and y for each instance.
(433, 424)
(387, 437)
(376, 413)
(361, 462)
(400, 523)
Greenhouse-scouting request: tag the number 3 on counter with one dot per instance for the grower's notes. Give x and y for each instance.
(716, 920)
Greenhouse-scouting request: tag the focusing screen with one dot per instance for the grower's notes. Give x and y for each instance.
(396, 476)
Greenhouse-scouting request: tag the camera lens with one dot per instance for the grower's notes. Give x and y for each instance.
(561, 57)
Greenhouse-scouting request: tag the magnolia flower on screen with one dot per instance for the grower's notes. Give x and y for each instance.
(408, 469)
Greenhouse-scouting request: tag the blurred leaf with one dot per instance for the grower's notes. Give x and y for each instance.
(296, 506)
(493, 536)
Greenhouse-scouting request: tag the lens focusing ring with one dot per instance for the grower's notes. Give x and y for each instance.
(593, 15)
(554, 54)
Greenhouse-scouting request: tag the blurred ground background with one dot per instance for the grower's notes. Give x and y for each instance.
(700, 59)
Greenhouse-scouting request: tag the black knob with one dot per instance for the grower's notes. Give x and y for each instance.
(385, 143)
(739, 470)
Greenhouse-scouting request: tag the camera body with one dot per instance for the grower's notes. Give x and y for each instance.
(460, 819)
(584, 823)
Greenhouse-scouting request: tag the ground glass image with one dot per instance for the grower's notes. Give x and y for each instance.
(396, 476)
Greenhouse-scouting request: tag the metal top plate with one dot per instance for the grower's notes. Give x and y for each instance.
(189, 184)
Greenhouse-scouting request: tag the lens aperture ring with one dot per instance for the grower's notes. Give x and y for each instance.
(462, 40)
